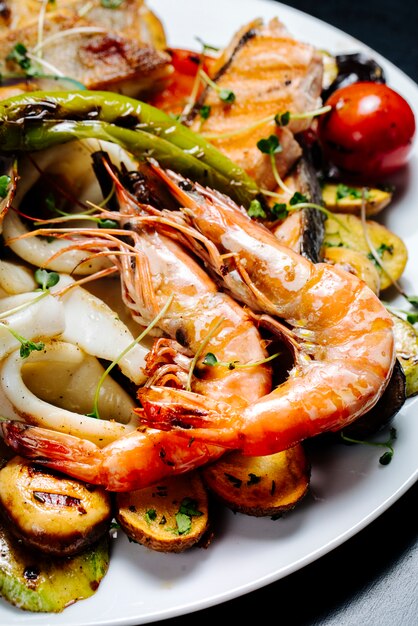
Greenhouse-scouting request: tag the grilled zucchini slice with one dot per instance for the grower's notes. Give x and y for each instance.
(41, 583)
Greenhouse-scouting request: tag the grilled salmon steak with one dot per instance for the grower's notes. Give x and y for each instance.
(268, 72)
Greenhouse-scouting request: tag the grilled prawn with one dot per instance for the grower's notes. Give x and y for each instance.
(341, 333)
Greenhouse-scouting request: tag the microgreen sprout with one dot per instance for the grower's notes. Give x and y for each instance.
(211, 359)
(26, 345)
(298, 200)
(4, 185)
(386, 458)
(95, 412)
(271, 146)
(280, 119)
(206, 46)
(199, 352)
(46, 279)
(226, 95)
(376, 255)
(19, 54)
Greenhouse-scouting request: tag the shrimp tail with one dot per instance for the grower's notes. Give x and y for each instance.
(53, 449)
(166, 408)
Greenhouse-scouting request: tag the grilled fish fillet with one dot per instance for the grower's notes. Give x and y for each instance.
(99, 60)
(269, 72)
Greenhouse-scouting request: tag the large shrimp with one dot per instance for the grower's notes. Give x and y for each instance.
(154, 269)
(340, 331)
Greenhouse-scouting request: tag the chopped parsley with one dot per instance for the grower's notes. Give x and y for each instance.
(187, 510)
(380, 251)
(344, 191)
(150, 515)
(111, 4)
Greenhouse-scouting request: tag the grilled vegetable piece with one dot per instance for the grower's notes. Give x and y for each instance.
(171, 516)
(348, 231)
(384, 411)
(260, 486)
(110, 117)
(406, 341)
(351, 68)
(50, 513)
(348, 199)
(356, 263)
(41, 583)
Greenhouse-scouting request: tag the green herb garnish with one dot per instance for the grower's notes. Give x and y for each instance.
(46, 279)
(4, 185)
(256, 210)
(150, 515)
(111, 4)
(386, 458)
(187, 510)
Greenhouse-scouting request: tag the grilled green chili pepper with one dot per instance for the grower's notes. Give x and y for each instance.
(38, 120)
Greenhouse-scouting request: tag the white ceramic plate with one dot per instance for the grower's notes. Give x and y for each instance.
(349, 488)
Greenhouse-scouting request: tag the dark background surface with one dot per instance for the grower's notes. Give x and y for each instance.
(372, 579)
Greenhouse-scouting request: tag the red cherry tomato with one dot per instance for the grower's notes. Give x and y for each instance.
(185, 63)
(369, 131)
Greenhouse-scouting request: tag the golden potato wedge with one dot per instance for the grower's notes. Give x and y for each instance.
(171, 516)
(356, 263)
(348, 231)
(341, 198)
(51, 513)
(260, 486)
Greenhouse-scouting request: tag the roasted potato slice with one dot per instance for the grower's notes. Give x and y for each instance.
(346, 199)
(348, 231)
(356, 263)
(171, 516)
(260, 486)
(54, 514)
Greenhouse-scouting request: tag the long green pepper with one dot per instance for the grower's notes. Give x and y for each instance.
(38, 120)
